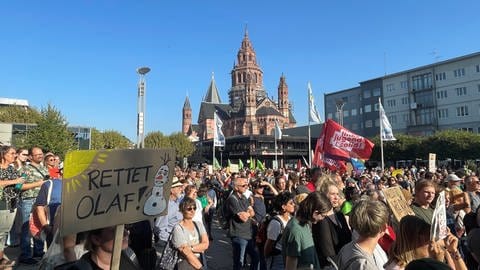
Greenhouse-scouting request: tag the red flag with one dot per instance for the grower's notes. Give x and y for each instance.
(341, 142)
(318, 154)
(335, 164)
(299, 164)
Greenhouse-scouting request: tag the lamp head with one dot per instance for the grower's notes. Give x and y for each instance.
(143, 70)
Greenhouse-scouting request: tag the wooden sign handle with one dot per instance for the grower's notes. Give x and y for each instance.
(117, 247)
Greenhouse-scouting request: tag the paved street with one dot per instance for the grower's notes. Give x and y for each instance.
(219, 254)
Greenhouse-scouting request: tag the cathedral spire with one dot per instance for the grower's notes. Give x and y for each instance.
(212, 95)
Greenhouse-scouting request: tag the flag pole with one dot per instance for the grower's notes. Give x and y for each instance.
(276, 155)
(309, 135)
(213, 139)
(381, 139)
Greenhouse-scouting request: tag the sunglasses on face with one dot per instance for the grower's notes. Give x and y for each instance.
(191, 208)
(243, 186)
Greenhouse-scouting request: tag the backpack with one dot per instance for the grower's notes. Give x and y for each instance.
(261, 236)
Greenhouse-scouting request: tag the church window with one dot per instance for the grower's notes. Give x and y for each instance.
(256, 78)
(244, 76)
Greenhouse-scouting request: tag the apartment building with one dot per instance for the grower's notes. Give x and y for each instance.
(419, 101)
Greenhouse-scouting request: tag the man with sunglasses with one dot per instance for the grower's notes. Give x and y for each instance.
(472, 185)
(240, 230)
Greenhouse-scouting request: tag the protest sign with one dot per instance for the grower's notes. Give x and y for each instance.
(109, 187)
(397, 203)
(234, 168)
(432, 158)
(439, 228)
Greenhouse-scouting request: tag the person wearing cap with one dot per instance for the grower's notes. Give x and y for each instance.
(458, 199)
(164, 224)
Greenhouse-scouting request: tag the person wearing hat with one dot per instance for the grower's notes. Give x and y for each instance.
(164, 224)
(459, 200)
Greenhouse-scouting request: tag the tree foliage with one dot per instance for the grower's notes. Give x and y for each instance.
(446, 144)
(183, 146)
(109, 139)
(179, 141)
(51, 133)
(156, 140)
(18, 114)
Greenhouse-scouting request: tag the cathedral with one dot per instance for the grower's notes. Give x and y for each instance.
(249, 110)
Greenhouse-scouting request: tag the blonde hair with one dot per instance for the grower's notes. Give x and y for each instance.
(405, 247)
(369, 217)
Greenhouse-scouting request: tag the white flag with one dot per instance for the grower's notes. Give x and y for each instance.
(439, 228)
(386, 132)
(218, 138)
(313, 114)
(278, 131)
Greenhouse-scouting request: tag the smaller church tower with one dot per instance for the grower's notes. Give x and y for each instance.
(186, 117)
(283, 105)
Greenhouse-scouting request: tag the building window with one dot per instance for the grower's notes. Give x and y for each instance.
(457, 73)
(366, 94)
(354, 111)
(345, 113)
(377, 122)
(405, 100)
(478, 86)
(440, 76)
(423, 81)
(477, 68)
(390, 87)
(442, 94)
(392, 119)
(368, 124)
(406, 118)
(466, 129)
(345, 99)
(368, 108)
(376, 92)
(404, 84)
(391, 103)
(442, 113)
(376, 107)
(461, 91)
(329, 116)
(354, 126)
(462, 111)
(361, 110)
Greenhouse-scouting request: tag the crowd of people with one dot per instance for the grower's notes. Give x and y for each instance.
(298, 218)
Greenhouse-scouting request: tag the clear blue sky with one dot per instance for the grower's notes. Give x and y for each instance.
(81, 56)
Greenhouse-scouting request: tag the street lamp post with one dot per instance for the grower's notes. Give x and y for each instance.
(339, 104)
(141, 106)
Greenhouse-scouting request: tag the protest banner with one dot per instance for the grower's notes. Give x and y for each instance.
(397, 203)
(110, 187)
(439, 228)
(234, 168)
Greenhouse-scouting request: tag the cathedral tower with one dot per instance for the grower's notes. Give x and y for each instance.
(283, 105)
(245, 71)
(186, 117)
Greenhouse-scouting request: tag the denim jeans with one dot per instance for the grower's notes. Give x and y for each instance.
(25, 207)
(240, 246)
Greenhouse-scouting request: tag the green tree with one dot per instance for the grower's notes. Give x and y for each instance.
(453, 144)
(97, 139)
(51, 133)
(183, 146)
(115, 140)
(156, 140)
(18, 114)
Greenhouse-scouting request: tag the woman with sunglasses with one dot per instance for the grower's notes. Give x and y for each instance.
(189, 237)
(8, 196)
(298, 248)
